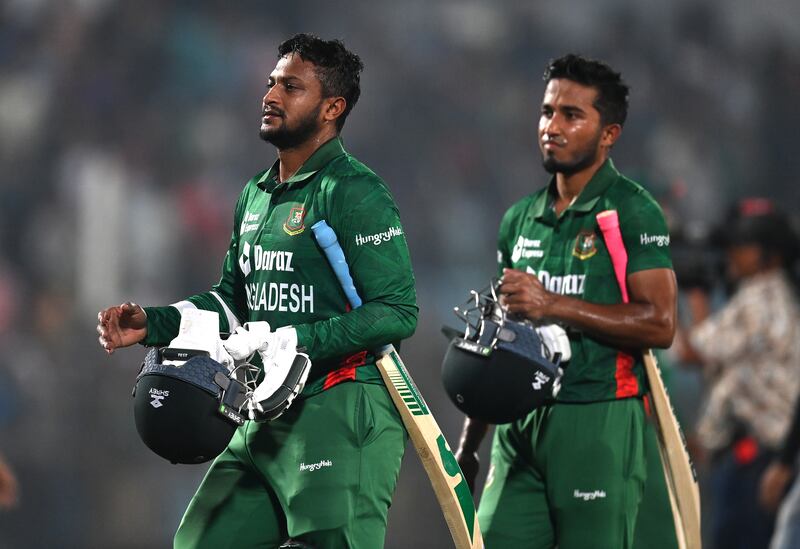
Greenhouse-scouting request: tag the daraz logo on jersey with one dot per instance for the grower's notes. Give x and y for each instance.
(264, 260)
(571, 284)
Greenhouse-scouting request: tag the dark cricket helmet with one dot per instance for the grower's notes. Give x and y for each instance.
(498, 370)
(186, 405)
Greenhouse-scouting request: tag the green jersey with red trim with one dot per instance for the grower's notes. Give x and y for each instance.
(275, 271)
(567, 254)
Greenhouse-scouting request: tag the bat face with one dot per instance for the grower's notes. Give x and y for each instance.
(441, 466)
(449, 485)
(681, 480)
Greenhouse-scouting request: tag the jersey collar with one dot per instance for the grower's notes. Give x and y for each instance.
(603, 178)
(329, 150)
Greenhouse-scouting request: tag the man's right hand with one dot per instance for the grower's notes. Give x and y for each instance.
(121, 326)
(470, 465)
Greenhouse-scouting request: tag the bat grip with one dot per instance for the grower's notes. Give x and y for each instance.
(608, 221)
(326, 238)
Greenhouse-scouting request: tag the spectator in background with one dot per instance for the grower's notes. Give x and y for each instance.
(750, 352)
(9, 493)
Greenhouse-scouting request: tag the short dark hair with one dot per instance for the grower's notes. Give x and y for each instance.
(338, 69)
(759, 221)
(612, 92)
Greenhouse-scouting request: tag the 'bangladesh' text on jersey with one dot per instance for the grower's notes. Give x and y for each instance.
(568, 256)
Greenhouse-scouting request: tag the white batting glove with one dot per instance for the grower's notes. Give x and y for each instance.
(555, 341)
(247, 339)
(285, 375)
(222, 356)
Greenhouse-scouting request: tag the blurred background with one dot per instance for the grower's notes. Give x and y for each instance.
(128, 128)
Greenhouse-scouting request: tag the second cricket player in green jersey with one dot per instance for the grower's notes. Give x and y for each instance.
(275, 271)
(583, 469)
(568, 255)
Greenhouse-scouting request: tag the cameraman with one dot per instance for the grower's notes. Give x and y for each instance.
(750, 353)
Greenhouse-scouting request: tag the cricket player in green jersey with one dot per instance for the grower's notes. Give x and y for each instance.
(576, 473)
(324, 472)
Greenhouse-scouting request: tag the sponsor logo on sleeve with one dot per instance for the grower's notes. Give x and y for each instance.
(294, 224)
(589, 496)
(659, 240)
(316, 466)
(378, 238)
(585, 245)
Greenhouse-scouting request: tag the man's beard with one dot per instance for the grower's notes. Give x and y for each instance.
(284, 137)
(584, 159)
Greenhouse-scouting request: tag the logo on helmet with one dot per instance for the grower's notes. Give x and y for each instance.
(158, 395)
(539, 380)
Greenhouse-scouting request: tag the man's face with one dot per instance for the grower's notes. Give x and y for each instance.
(744, 261)
(570, 130)
(292, 106)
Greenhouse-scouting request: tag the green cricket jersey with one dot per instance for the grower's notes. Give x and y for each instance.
(275, 271)
(568, 255)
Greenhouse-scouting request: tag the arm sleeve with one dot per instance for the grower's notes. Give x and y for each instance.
(365, 218)
(644, 231)
(226, 298)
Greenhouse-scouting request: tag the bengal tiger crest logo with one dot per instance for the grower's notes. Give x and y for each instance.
(294, 224)
(585, 245)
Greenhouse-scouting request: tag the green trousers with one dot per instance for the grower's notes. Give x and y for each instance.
(323, 473)
(574, 476)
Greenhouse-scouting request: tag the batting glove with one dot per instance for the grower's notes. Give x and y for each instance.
(555, 340)
(247, 339)
(285, 375)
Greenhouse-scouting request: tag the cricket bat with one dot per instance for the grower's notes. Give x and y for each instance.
(684, 494)
(449, 485)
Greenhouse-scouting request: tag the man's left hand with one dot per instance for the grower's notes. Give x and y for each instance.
(523, 294)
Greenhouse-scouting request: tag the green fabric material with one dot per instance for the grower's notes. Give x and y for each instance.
(568, 255)
(570, 475)
(274, 270)
(323, 473)
(655, 528)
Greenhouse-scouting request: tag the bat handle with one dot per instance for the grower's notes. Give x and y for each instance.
(608, 221)
(326, 238)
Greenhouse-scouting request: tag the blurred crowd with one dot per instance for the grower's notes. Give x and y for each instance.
(127, 129)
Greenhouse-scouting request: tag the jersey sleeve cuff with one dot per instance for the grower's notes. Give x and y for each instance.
(162, 325)
(303, 337)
